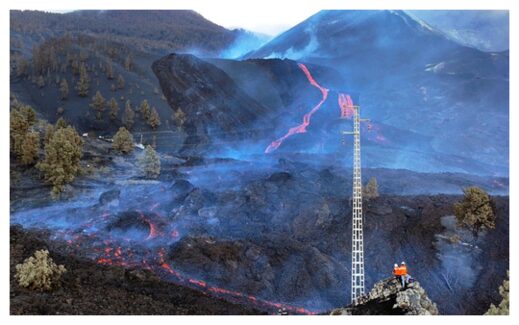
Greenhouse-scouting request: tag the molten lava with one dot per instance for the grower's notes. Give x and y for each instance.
(301, 128)
(346, 105)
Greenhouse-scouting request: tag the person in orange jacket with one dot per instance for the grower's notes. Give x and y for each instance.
(396, 272)
(403, 274)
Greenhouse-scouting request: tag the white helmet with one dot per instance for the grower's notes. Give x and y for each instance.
(396, 265)
(403, 263)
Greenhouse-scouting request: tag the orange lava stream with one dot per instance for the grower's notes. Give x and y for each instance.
(301, 128)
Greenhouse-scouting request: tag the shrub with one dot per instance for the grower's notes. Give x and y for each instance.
(39, 272)
(123, 141)
(504, 307)
(370, 191)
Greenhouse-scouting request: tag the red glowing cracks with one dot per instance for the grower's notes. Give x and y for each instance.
(301, 128)
(346, 105)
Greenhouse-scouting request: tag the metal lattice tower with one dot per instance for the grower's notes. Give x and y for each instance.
(357, 243)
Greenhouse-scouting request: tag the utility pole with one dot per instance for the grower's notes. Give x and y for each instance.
(357, 242)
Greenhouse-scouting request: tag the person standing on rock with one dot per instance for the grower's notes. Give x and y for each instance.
(403, 274)
(396, 272)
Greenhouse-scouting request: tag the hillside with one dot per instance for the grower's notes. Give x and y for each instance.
(159, 30)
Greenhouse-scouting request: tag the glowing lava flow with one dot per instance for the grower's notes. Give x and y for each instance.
(130, 253)
(346, 105)
(306, 118)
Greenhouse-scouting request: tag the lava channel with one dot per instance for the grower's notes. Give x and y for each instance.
(301, 128)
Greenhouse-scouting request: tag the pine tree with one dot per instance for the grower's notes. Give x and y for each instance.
(128, 63)
(120, 82)
(370, 191)
(129, 115)
(49, 132)
(504, 307)
(28, 113)
(179, 117)
(475, 211)
(40, 81)
(149, 162)
(83, 84)
(22, 118)
(123, 141)
(98, 104)
(63, 89)
(61, 123)
(154, 119)
(109, 71)
(29, 148)
(62, 157)
(114, 108)
(145, 110)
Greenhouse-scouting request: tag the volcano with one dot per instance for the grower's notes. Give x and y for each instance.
(249, 209)
(411, 77)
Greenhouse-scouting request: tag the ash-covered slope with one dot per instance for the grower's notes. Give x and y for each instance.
(214, 105)
(389, 298)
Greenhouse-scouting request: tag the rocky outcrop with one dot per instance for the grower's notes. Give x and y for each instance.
(389, 298)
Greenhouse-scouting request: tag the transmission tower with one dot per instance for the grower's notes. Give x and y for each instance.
(357, 242)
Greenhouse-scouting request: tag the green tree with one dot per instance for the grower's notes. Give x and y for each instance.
(504, 306)
(83, 84)
(62, 157)
(63, 89)
(98, 104)
(149, 162)
(179, 117)
(145, 110)
(22, 118)
(114, 108)
(154, 119)
(120, 82)
(28, 113)
(29, 148)
(123, 141)
(128, 62)
(129, 115)
(475, 211)
(109, 71)
(61, 123)
(49, 132)
(370, 191)
(40, 81)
